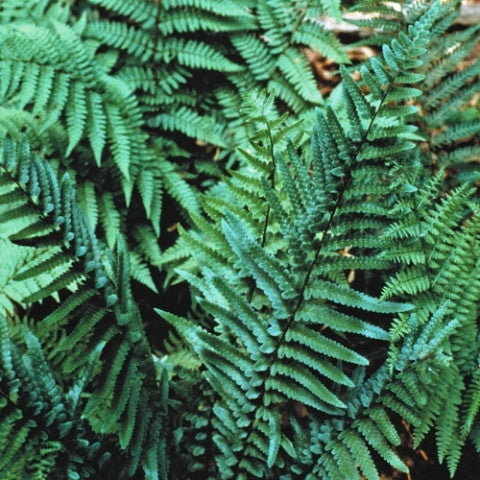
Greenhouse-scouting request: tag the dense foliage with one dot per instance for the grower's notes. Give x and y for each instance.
(330, 245)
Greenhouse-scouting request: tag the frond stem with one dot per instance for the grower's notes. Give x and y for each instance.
(272, 182)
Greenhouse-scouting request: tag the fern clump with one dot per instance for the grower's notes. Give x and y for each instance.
(105, 87)
(101, 329)
(270, 269)
(329, 245)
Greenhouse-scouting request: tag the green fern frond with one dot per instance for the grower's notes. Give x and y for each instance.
(296, 70)
(38, 11)
(256, 53)
(188, 121)
(282, 258)
(38, 420)
(98, 315)
(319, 40)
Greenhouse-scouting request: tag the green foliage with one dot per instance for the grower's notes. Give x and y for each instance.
(93, 83)
(330, 245)
(100, 325)
(251, 45)
(447, 122)
(41, 424)
(284, 321)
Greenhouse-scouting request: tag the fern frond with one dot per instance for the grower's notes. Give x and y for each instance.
(38, 420)
(264, 350)
(319, 40)
(295, 68)
(99, 314)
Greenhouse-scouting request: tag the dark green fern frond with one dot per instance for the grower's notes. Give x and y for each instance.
(274, 285)
(41, 425)
(99, 315)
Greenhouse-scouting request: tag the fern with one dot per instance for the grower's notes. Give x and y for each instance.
(98, 313)
(329, 244)
(41, 423)
(277, 306)
(277, 29)
(445, 90)
(54, 88)
(64, 83)
(38, 11)
(52, 84)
